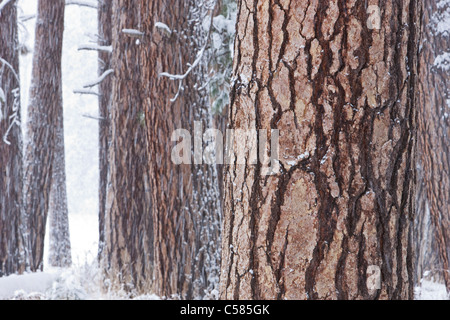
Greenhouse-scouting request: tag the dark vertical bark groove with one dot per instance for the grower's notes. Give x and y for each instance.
(12, 245)
(45, 106)
(343, 97)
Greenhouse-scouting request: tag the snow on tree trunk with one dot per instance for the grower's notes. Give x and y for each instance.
(105, 91)
(60, 252)
(162, 220)
(45, 104)
(338, 79)
(433, 143)
(12, 242)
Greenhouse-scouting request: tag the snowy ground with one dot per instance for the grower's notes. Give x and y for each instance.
(431, 291)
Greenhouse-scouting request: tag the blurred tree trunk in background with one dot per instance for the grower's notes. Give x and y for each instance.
(338, 80)
(433, 215)
(12, 243)
(44, 110)
(105, 91)
(60, 250)
(162, 219)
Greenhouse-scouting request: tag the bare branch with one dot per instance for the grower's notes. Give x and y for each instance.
(86, 91)
(164, 28)
(11, 68)
(192, 67)
(81, 3)
(25, 18)
(133, 32)
(99, 79)
(95, 47)
(92, 117)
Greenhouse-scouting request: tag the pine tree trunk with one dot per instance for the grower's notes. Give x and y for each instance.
(163, 220)
(60, 249)
(12, 244)
(339, 83)
(105, 91)
(44, 108)
(433, 141)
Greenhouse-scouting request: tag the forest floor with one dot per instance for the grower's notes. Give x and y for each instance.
(84, 281)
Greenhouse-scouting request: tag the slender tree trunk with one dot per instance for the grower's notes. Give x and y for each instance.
(105, 91)
(433, 141)
(60, 250)
(338, 80)
(163, 220)
(12, 244)
(43, 111)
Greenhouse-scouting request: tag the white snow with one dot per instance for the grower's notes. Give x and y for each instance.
(31, 282)
(164, 27)
(95, 47)
(440, 21)
(430, 291)
(442, 61)
(221, 23)
(3, 4)
(99, 79)
(88, 4)
(132, 32)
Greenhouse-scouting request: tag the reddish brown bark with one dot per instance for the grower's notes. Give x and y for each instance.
(342, 91)
(162, 220)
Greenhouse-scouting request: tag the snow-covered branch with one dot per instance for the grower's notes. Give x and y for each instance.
(99, 79)
(95, 47)
(133, 32)
(3, 4)
(14, 118)
(82, 3)
(191, 67)
(163, 27)
(85, 91)
(6, 63)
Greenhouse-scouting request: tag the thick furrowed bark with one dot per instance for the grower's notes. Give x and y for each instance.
(162, 220)
(342, 91)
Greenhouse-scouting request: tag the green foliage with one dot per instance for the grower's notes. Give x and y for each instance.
(141, 118)
(221, 63)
